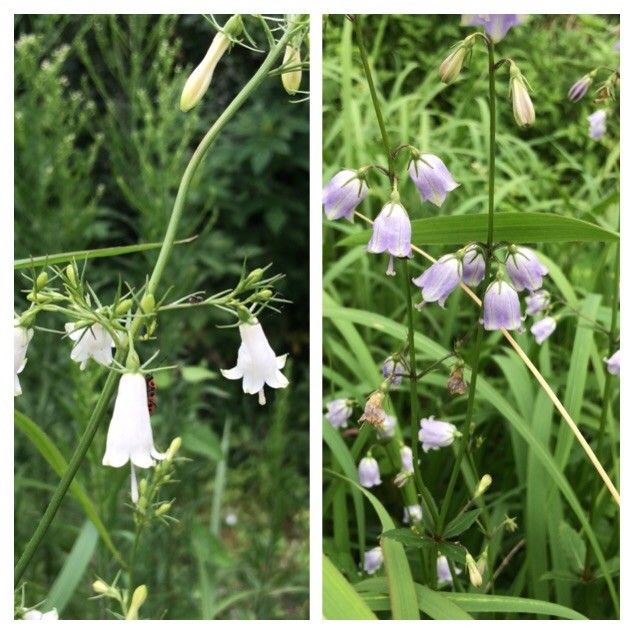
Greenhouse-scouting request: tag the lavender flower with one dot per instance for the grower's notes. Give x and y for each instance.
(393, 371)
(614, 363)
(524, 268)
(543, 328)
(439, 279)
(496, 25)
(443, 572)
(473, 265)
(501, 307)
(373, 560)
(343, 194)
(432, 178)
(434, 434)
(369, 474)
(597, 123)
(412, 514)
(338, 412)
(392, 232)
(388, 428)
(407, 459)
(537, 302)
(579, 89)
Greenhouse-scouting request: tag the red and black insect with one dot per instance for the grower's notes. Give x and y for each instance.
(150, 384)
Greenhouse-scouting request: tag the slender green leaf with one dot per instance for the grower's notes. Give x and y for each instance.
(340, 600)
(57, 462)
(525, 227)
(74, 568)
(461, 523)
(89, 254)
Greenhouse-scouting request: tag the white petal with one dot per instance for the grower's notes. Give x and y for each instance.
(232, 373)
(281, 361)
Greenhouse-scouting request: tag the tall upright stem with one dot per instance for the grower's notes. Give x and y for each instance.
(155, 277)
(475, 362)
(373, 94)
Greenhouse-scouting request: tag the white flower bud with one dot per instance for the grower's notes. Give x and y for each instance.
(293, 78)
(523, 110)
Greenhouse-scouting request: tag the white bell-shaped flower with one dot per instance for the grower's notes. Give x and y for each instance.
(36, 615)
(257, 364)
(21, 338)
(130, 433)
(91, 342)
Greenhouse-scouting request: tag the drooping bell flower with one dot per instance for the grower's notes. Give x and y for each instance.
(524, 268)
(614, 363)
(91, 342)
(257, 364)
(537, 302)
(36, 615)
(597, 124)
(474, 574)
(432, 178)
(292, 78)
(373, 560)
(543, 328)
(473, 265)
(434, 434)
(338, 412)
(21, 338)
(523, 109)
(437, 282)
(579, 89)
(407, 459)
(496, 25)
(130, 436)
(198, 82)
(412, 514)
(388, 428)
(343, 194)
(502, 307)
(392, 232)
(443, 572)
(393, 371)
(369, 473)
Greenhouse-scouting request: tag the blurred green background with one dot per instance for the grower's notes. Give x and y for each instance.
(100, 147)
(553, 167)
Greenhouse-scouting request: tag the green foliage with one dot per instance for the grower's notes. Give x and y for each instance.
(101, 146)
(557, 190)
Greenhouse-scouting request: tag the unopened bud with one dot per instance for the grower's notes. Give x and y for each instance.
(483, 560)
(138, 599)
(41, 281)
(123, 307)
(293, 78)
(452, 64)
(164, 508)
(71, 274)
(523, 110)
(474, 574)
(510, 524)
(148, 304)
(100, 587)
(483, 485)
(143, 486)
(198, 82)
(175, 445)
(263, 295)
(254, 277)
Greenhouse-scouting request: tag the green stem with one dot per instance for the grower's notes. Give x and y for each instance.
(374, 95)
(475, 363)
(159, 268)
(607, 393)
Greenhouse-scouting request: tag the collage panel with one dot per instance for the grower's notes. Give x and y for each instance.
(161, 317)
(471, 344)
